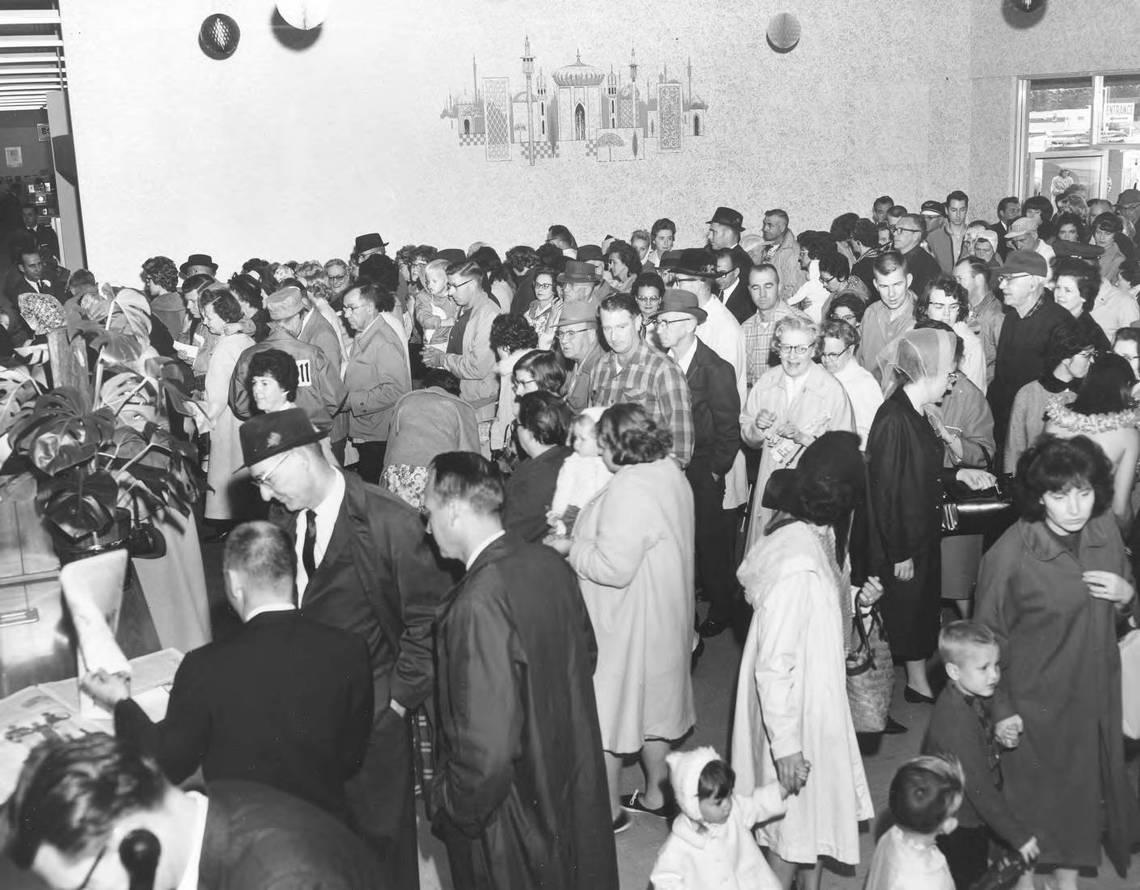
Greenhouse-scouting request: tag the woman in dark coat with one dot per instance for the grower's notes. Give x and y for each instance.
(905, 459)
(1053, 589)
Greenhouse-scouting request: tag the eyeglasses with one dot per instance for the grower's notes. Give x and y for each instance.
(91, 870)
(263, 481)
(647, 301)
(452, 286)
(519, 384)
(721, 273)
(830, 279)
(665, 322)
(834, 356)
(568, 332)
(1012, 275)
(795, 350)
(548, 286)
(905, 229)
(346, 308)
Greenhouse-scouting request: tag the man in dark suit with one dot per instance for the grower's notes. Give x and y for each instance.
(29, 275)
(363, 565)
(716, 427)
(732, 287)
(724, 233)
(32, 236)
(83, 806)
(286, 701)
(520, 792)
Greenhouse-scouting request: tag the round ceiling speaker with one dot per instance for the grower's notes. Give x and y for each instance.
(783, 32)
(219, 35)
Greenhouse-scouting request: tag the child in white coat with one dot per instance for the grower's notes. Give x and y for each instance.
(711, 843)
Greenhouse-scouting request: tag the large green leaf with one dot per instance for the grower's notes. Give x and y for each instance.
(79, 506)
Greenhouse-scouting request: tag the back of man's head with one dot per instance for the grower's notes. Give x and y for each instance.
(260, 566)
(469, 477)
(72, 793)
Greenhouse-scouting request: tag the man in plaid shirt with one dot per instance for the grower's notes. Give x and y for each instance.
(632, 371)
(764, 288)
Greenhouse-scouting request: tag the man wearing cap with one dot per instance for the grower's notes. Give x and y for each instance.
(1023, 236)
(364, 565)
(198, 264)
(1128, 207)
(319, 388)
(1030, 317)
(732, 285)
(376, 375)
(579, 282)
(907, 237)
(715, 398)
(946, 242)
(632, 371)
(781, 252)
(578, 337)
(724, 233)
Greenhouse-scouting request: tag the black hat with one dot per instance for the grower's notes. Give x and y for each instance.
(669, 260)
(198, 259)
(265, 435)
(832, 461)
(452, 255)
(696, 261)
(588, 252)
(726, 216)
(369, 242)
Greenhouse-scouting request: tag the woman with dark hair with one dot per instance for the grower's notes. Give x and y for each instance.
(538, 370)
(793, 721)
(1075, 287)
(1128, 278)
(522, 263)
(632, 547)
(1068, 356)
(905, 466)
(426, 422)
(846, 306)
(1105, 411)
(496, 280)
(546, 308)
(512, 337)
(1070, 227)
(1053, 589)
(222, 315)
(623, 265)
(273, 381)
(945, 300)
(543, 428)
(1106, 229)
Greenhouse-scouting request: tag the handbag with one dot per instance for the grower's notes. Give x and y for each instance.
(870, 673)
(969, 512)
(1130, 683)
(1002, 875)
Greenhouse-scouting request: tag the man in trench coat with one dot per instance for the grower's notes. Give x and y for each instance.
(520, 793)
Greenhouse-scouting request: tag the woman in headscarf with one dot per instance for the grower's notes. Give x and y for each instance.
(905, 458)
(788, 407)
(793, 722)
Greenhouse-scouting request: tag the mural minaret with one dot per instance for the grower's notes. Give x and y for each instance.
(528, 72)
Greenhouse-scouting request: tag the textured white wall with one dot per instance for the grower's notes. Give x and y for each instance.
(282, 153)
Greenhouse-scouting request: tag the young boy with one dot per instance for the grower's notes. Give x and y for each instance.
(711, 843)
(925, 794)
(960, 726)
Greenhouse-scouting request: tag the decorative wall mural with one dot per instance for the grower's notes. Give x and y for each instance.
(582, 113)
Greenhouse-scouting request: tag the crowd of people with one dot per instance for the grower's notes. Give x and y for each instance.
(469, 503)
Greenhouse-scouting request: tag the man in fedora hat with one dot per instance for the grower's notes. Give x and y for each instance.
(782, 252)
(716, 403)
(633, 371)
(1023, 235)
(368, 245)
(579, 282)
(578, 336)
(1030, 317)
(319, 388)
(364, 565)
(724, 233)
(198, 264)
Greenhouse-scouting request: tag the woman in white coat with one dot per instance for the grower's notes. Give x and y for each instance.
(223, 317)
(632, 548)
(791, 705)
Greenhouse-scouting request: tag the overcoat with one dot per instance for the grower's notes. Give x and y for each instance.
(1061, 674)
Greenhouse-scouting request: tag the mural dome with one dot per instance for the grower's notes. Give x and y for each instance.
(578, 75)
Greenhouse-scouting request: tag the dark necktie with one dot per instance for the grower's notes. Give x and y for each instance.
(308, 552)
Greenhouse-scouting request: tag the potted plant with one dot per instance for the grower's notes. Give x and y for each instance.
(100, 478)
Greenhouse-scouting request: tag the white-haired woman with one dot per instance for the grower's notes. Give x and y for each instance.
(789, 407)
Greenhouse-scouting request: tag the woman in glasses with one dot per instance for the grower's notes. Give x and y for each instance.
(789, 407)
(840, 342)
(946, 301)
(546, 308)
